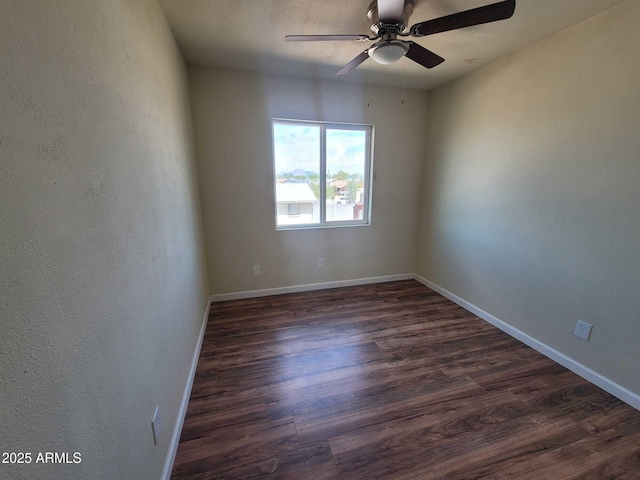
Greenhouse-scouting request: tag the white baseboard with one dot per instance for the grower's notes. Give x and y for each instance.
(308, 287)
(186, 394)
(597, 379)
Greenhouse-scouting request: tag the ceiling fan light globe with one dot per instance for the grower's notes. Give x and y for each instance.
(388, 53)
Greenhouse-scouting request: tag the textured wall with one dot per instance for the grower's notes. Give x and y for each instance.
(532, 191)
(102, 272)
(232, 119)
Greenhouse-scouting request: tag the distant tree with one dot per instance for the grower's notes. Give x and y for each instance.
(352, 188)
(330, 192)
(341, 175)
(315, 188)
(314, 185)
(355, 182)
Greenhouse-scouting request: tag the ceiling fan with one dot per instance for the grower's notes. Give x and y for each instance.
(389, 20)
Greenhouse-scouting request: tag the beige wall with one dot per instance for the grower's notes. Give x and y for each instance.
(531, 193)
(102, 278)
(232, 119)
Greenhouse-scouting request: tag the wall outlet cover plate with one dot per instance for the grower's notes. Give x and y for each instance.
(583, 330)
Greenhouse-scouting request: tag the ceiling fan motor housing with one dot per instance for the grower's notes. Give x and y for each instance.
(403, 23)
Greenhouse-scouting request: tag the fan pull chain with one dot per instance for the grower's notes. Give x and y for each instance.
(404, 74)
(369, 87)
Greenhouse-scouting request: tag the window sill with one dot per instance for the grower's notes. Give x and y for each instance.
(319, 227)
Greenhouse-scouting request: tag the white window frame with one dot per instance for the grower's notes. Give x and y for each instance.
(368, 173)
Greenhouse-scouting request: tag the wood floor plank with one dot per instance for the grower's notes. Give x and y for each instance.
(588, 457)
(471, 453)
(443, 419)
(366, 409)
(390, 381)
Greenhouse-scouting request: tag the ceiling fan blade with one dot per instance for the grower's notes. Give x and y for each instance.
(325, 38)
(390, 11)
(424, 57)
(354, 63)
(468, 18)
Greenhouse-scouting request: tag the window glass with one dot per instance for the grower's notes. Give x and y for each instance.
(296, 149)
(345, 179)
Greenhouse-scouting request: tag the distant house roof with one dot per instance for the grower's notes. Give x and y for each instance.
(338, 184)
(294, 193)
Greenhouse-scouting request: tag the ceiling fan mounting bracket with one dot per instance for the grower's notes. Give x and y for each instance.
(379, 28)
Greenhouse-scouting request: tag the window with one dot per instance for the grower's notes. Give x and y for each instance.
(294, 209)
(322, 173)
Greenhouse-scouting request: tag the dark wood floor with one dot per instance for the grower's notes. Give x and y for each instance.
(390, 381)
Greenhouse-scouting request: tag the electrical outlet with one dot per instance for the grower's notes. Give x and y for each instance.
(320, 262)
(583, 330)
(256, 270)
(155, 426)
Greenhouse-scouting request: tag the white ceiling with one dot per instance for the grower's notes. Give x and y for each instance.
(249, 35)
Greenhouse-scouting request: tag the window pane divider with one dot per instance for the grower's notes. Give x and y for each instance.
(323, 174)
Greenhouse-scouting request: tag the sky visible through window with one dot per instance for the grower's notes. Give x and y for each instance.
(297, 147)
